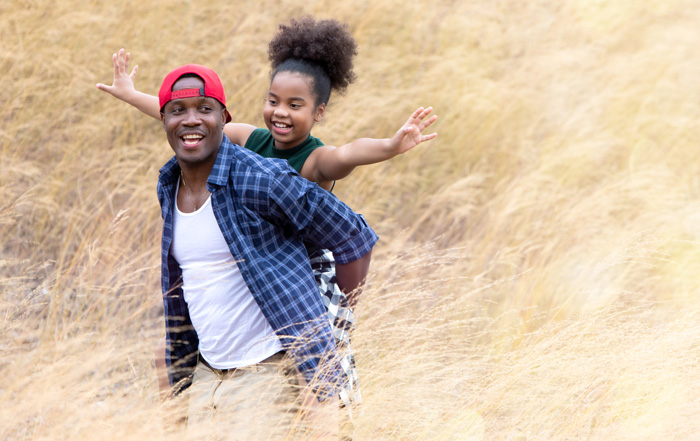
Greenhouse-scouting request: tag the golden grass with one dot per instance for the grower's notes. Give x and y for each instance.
(537, 273)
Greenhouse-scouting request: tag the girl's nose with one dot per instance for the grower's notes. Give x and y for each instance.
(280, 111)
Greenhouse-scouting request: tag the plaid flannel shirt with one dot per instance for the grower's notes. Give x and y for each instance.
(266, 212)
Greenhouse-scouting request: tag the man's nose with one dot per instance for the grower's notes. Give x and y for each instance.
(192, 117)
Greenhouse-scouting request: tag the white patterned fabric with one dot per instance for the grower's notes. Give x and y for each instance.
(342, 321)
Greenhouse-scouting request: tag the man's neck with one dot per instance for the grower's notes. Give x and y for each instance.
(196, 175)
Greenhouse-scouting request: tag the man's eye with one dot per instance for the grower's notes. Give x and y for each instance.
(206, 108)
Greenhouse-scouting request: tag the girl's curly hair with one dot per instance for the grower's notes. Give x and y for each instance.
(323, 50)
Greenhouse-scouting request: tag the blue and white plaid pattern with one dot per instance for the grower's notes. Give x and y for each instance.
(266, 211)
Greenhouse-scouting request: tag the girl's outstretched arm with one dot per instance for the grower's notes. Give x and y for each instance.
(330, 163)
(123, 86)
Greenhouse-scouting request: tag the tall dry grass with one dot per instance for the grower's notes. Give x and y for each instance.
(537, 276)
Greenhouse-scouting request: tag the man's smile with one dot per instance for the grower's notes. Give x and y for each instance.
(192, 139)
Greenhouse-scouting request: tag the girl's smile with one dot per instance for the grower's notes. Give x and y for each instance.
(290, 110)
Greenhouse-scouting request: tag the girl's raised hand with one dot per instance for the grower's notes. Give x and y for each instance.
(411, 134)
(123, 82)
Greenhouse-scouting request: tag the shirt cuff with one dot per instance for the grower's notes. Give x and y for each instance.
(357, 246)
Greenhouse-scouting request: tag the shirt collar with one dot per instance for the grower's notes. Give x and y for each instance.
(219, 172)
(222, 166)
(170, 170)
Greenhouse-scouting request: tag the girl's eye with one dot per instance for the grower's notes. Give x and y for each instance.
(271, 101)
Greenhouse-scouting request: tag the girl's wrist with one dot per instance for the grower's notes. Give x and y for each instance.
(389, 148)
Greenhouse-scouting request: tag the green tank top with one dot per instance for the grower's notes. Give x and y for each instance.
(262, 143)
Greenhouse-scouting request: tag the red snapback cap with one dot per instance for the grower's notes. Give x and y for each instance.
(212, 86)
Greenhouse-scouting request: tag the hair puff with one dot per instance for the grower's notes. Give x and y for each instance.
(326, 43)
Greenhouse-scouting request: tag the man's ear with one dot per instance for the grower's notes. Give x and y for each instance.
(320, 110)
(162, 119)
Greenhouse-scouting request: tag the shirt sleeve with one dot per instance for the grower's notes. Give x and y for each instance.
(320, 218)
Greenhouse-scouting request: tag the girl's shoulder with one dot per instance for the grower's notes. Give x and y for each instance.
(238, 133)
(258, 140)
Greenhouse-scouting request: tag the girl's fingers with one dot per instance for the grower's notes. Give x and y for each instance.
(428, 122)
(425, 138)
(123, 61)
(424, 112)
(421, 113)
(415, 116)
(418, 116)
(118, 63)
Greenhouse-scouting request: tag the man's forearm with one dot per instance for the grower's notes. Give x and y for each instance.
(351, 276)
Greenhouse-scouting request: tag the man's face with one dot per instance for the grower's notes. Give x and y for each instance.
(194, 125)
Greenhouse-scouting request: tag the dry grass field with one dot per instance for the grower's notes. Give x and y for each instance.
(538, 272)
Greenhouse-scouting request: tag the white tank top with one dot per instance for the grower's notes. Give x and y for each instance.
(231, 328)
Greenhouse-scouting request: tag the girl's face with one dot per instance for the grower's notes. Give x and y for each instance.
(290, 110)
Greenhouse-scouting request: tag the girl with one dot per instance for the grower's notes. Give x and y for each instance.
(309, 59)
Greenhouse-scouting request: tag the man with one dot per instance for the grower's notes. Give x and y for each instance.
(239, 295)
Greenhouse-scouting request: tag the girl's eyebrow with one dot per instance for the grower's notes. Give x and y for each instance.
(293, 98)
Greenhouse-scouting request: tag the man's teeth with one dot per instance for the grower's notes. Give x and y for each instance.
(191, 139)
